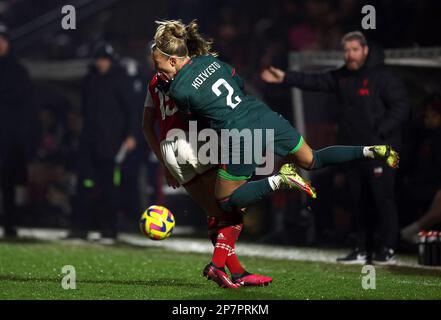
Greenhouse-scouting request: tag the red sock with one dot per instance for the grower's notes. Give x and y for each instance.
(233, 263)
(230, 260)
(224, 244)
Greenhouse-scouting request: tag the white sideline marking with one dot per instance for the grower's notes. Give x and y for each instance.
(57, 234)
(253, 250)
(423, 283)
(205, 246)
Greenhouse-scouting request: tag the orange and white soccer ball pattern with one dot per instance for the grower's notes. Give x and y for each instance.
(157, 222)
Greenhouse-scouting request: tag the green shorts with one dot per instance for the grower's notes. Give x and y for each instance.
(286, 140)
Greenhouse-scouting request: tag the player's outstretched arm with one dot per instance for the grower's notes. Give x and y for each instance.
(315, 82)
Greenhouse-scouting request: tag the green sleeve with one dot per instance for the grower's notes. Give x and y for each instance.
(182, 102)
(234, 74)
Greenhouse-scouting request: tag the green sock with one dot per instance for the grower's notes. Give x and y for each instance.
(247, 194)
(335, 154)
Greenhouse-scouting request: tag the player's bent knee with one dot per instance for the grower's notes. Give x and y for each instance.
(310, 162)
(303, 155)
(230, 218)
(225, 204)
(315, 162)
(232, 203)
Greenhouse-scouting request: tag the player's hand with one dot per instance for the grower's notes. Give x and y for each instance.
(130, 144)
(171, 181)
(272, 75)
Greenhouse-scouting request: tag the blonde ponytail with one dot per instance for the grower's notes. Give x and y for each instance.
(196, 44)
(172, 37)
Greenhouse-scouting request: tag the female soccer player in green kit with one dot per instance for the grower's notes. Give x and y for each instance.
(210, 89)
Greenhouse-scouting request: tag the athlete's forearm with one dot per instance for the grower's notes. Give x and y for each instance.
(150, 135)
(153, 142)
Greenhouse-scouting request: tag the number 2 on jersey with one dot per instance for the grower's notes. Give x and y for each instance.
(217, 92)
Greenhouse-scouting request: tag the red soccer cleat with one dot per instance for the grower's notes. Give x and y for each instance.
(219, 276)
(253, 280)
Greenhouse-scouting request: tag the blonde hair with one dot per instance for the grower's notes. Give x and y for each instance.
(173, 37)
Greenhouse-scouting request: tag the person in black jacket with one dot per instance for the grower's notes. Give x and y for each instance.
(373, 107)
(16, 112)
(109, 131)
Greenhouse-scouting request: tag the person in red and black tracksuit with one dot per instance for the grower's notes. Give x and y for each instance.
(373, 108)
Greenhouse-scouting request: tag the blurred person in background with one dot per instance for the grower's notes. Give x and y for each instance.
(109, 130)
(130, 184)
(429, 219)
(16, 113)
(373, 107)
(422, 205)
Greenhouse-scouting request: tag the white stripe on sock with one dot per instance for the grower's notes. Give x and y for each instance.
(275, 182)
(368, 153)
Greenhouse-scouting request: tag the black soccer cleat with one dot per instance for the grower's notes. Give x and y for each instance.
(384, 257)
(357, 256)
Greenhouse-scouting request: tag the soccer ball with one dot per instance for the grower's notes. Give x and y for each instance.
(157, 222)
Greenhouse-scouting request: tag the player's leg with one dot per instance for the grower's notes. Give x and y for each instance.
(198, 180)
(239, 275)
(310, 159)
(232, 193)
(238, 272)
(232, 190)
(229, 225)
(223, 245)
(289, 143)
(232, 187)
(201, 189)
(197, 189)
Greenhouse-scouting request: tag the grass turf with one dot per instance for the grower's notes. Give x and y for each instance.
(32, 270)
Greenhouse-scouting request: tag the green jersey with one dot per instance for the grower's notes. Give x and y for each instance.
(211, 89)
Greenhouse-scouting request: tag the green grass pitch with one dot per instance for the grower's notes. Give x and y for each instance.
(32, 270)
